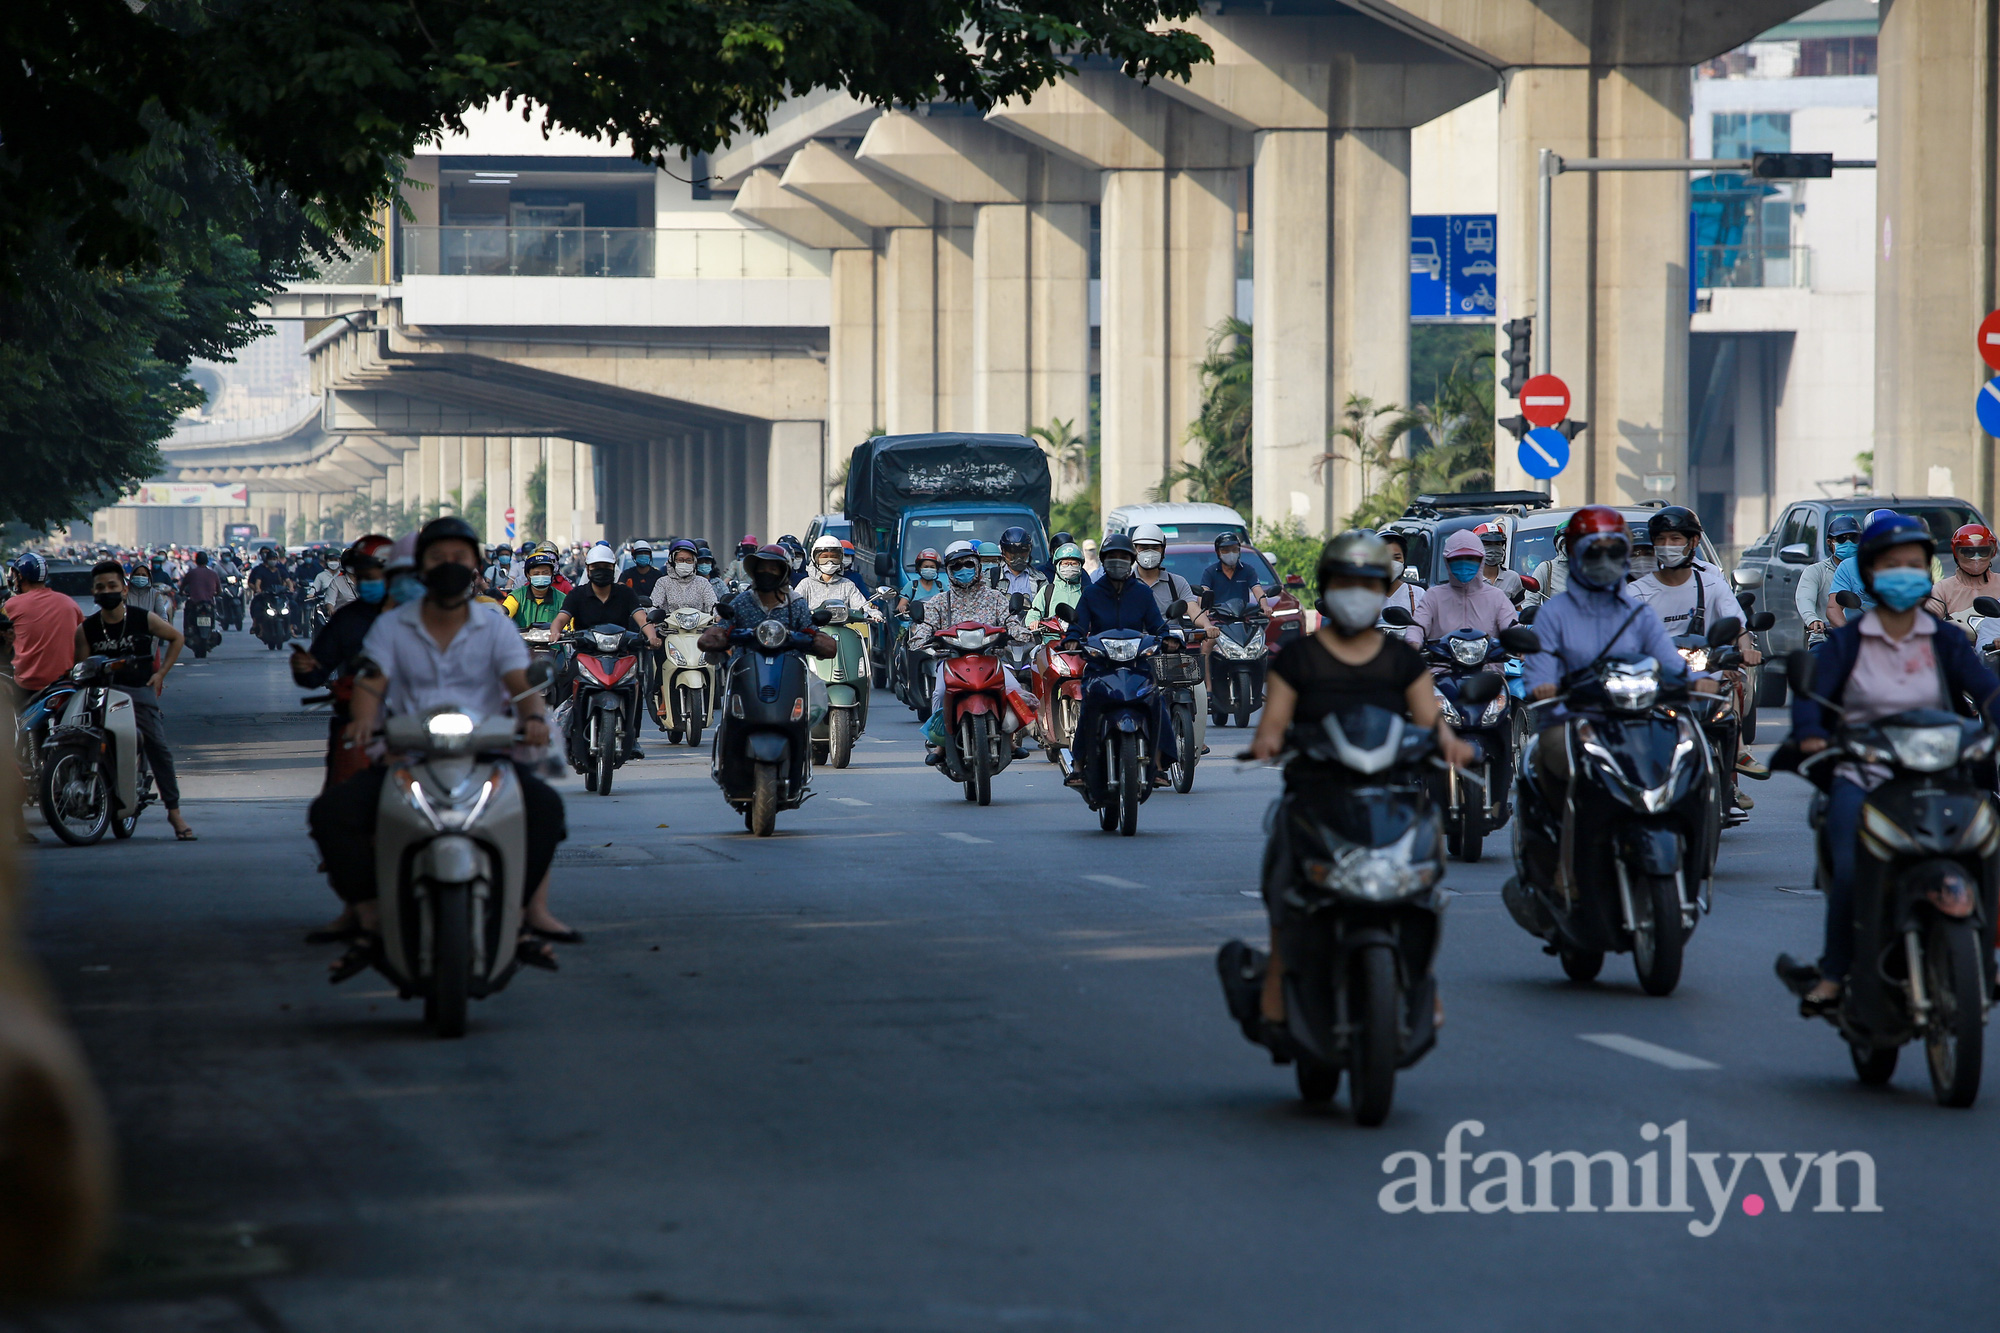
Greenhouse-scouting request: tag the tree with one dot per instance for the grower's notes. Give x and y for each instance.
(1371, 442)
(1221, 475)
(1069, 458)
(325, 100)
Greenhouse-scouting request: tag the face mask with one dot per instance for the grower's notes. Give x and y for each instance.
(1901, 588)
(1395, 570)
(1671, 557)
(1229, 559)
(140, 584)
(107, 600)
(766, 580)
(1463, 570)
(371, 591)
(1599, 569)
(1493, 554)
(1070, 572)
(540, 580)
(684, 568)
(1845, 550)
(1352, 610)
(447, 583)
(642, 559)
(405, 588)
(1150, 559)
(964, 576)
(928, 573)
(1117, 568)
(1017, 563)
(601, 575)
(704, 567)
(1642, 564)
(830, 567)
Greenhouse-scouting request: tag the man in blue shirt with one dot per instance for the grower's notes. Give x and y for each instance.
(1116, 600)
(1847, 578)
(1229, 578)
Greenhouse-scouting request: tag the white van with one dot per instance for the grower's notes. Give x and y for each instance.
(1180, 522)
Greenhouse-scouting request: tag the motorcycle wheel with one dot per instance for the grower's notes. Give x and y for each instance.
(1873, 1065)
(1318, 1082)
(1243, 712)
(1182, 769)
(1657, 940)
(76, 798)
(1131, 772)
(1218, 702)
(697, 716)
(199, 653)
(606, 763)
(1581, 965)
(451, 959)
(1954, 1041)
(1464, 843)
(125, 826)
(840, 731)
(763, 816)
(977, 756)
(1375, 1007)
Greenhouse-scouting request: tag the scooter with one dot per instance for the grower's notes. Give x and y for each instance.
(604, 695)
(229, 601)
(847, 677)
(202, 634)
(914, 671)
(1642, 786)
(974, 729)
(1362, 905)
(1237, 661)
(1472, 810)
(94, 774)
(687, 688)
(1924, 889)
(451, 849)
(1056, 680)
(1179, 674)
(1122, 778)
(761, 756)
(31, 729)
(271, 618)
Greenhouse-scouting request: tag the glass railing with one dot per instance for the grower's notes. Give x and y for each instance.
(1753, 266)
(604, 252)
(362, 270)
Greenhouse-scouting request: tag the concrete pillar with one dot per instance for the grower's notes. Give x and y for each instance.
(527, 456)
(309, 502)
(472, 468)
(711, 519)
(426, 495)
(392, 493)
(499, 485)
(588, 525)
(1935, 239)
(562, 491)
(794, 483)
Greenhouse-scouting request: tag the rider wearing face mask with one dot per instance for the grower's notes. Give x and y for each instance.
(604, 601)
(1847, 576)
(1066, 588)
(1229, 576)
(683, 586)
(1972, 554)
(969, 596)
(1465, 600)
(1492, 536)
(537, 601)
(1403, 592)
(1843, 539)
(829, 584)
(643, 573)
(926, 584)
(1017, 554)
(1118, 599)
(334, 657)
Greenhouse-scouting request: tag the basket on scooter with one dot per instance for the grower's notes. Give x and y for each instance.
(1177, 668)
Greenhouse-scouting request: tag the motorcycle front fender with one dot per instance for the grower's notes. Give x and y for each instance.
(1127, 723)
(842, 696)
(767, 747)
(976, 703)
(607, 699)
(1656, 851)
(449, 859)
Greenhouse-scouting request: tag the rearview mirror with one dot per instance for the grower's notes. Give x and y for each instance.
(1724, 632)
(1986, 606)
(725, 611)
(1482, 689)
(1207, 598)
(823, 616)
(1017, 602)
(539, 672)
(1528, 581)
(1529, 613)
(1762, 621)
(1064, 611)
(1799, 669)
(1799, 554)
(1520, 640)
(655, 614)
(1177, 609)
(1746, 601)
(1847, 600)
(1397, 616)
(916, 612)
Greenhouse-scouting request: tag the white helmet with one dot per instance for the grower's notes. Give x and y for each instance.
(826, 542)
(601, 554)
(957, 549)
(1146, 532)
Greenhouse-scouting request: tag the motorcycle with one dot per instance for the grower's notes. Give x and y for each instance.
(1924, 888)
(913, 672)
(1642, 781)
(271, 618)
(1056, 680)
(1363, 902)
(687, 688)
(1122, 779)
(847, 677)
(1237, 661)
(229, 601)
(31, 730)
(315, 614)
(1726, 720)
(543, 647)
(761, 756)
(604, 690)
(1456, 660)
(1178, 673)
(94, 774)
(450, 851)
(202, 634)
(975, 727)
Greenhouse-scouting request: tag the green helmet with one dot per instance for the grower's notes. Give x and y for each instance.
(1068, 551)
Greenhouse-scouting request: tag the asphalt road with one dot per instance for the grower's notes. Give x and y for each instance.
(914, 1065)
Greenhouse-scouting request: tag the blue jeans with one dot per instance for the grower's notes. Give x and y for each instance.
(1843, 821)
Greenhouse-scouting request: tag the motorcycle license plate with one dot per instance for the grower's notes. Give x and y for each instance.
(203, 621)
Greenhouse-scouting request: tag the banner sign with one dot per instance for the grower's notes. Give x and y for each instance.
(186, 494)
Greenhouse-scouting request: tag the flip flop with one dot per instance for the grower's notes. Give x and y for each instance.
(533, 953)
(360, 956)
(556, 936)
(185, 835)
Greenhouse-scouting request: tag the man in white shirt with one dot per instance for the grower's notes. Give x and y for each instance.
(443, 650)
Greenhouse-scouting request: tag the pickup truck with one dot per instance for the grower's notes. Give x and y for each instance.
(1769, 570)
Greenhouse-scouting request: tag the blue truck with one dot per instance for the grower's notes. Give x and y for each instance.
(909, 492)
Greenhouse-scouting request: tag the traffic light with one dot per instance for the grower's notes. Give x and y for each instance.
(1791, 166)
(1520, 351)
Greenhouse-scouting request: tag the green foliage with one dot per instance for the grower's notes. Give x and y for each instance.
(1440, 351)
(1073, 463)
(473, 511)
(1371, 441)
(1221, 475)
(1449, 445)
(1288, 546)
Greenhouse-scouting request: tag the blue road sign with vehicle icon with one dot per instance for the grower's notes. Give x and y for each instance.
(1988, 406)
(1454, 268)
(1544, 451)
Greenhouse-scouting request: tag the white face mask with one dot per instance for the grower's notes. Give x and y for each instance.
(684, 568)
(830, 565)
(1070, 571)
(1149, 558)
(1671, 557)
(1352, 610)
(1395, 570)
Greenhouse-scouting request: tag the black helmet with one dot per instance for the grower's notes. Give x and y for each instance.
(1894, 530)
(1014, 537)
(1223, 539)
(1118, 543)
(1844, 525)
(1675, 518)
(1060, 539)
(450, 527)
(1357, 552)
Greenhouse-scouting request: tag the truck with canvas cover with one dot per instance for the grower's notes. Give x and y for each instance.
(909, 492)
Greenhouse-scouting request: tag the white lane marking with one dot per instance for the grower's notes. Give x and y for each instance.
(1645, 1050)
(1113, 882)
(849, 800)
(1250, 893)
(965, 837)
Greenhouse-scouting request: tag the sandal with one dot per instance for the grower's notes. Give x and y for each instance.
(334, 934)
(360, 956)
(185, 835)
(534, 953)
(555, 936)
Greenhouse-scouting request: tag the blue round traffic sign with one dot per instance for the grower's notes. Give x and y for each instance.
(1988, 406)
(1545, 450)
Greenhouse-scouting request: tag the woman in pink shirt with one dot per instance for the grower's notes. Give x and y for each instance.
(1465, 600)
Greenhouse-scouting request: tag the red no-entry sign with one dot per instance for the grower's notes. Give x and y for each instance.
(1545, 400)
(1989, 339)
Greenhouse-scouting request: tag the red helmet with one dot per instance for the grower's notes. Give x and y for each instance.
(1594, 521)
(846, 545)
(929, 553)
(1974, 535)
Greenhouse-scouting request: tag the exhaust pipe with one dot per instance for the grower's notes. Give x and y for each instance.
(1063, 762)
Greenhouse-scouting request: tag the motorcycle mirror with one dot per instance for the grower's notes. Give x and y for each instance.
(1520, 640)
(1847, 600)
(1017, 602)
(1207, 598)
(1724, 632)
(1178, 609)
(1528, 614)
(1397, 616)
(654, 615)
(1528, 581)
(1762, 621)
(916, 612)
(539, 672)
(1747, 602)
(1986, 606)
(1482, 689)
(1799, 668)
(823, 616)
(725, 611)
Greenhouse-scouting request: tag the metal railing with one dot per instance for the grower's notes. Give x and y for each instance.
(1753, 266)
(604, 252)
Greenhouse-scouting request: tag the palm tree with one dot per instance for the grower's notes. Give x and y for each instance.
(1069, 458)
(1222, 473)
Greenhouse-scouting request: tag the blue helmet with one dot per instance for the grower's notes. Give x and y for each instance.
(1874, 514)
(31, 566)
(1843, 525)
(1887, 528)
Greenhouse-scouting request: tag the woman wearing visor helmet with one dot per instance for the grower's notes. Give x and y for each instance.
(1972, 554)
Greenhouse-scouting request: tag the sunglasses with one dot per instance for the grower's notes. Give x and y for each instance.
(1976, 553)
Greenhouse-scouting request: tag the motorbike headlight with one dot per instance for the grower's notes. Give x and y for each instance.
(1881, 836)
(1981, 832)
(1925, 749)
(970, 639)
(1494, 710)
(448, 726)
(687, 617)
(1446, 707)
(1633, 692)
(674, 656)
(1121, 650)
(536, 636)
(772, 634)
(1379, 874)
(1469, 652)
